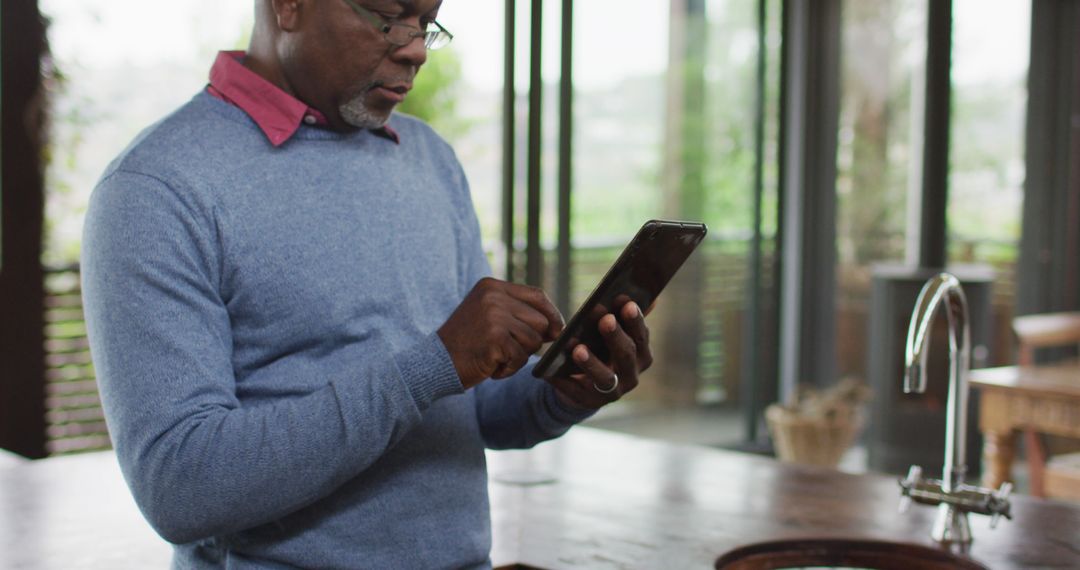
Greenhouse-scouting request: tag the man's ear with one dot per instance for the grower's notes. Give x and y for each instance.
(287, 13)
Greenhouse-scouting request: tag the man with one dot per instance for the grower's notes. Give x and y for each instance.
(300, 355)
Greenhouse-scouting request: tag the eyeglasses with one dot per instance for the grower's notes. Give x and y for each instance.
(401, 35)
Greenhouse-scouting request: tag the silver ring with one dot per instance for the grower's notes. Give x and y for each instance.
(609, 389)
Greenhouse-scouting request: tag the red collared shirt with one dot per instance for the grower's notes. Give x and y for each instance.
(277, 113)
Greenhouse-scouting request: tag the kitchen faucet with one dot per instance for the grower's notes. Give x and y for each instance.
(952, 497)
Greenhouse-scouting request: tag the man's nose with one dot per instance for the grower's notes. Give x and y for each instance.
(412, 53)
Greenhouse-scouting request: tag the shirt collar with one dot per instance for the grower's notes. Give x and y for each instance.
(277, 113)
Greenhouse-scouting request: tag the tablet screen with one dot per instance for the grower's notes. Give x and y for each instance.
(640, 273)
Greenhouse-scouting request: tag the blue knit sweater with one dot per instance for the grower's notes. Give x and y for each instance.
(262, 322)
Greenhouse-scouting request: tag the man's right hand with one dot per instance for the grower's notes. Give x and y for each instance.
(496, 327)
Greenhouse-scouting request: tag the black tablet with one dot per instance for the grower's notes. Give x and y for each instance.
(640, 273)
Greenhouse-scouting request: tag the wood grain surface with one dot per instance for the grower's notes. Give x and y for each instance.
(592, 499)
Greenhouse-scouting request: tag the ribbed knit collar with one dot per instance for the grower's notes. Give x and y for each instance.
(278, 114)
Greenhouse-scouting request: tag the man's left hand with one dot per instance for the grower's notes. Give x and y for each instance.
(601, 383)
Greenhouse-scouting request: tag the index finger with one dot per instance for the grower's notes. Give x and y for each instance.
(633, 321)
(537, 299)
(623, 299)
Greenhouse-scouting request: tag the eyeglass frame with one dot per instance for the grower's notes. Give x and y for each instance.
(386, 25)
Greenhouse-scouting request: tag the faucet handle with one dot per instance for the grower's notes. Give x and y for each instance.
(907, 485)
(1000, 505)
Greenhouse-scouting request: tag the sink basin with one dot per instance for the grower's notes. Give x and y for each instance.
(842, 553)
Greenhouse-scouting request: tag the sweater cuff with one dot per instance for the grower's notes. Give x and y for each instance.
(428, 371)
(559, 411)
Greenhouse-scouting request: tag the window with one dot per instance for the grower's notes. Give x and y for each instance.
(879, 156)
(665, 128)
(461, 98)
(986, 172)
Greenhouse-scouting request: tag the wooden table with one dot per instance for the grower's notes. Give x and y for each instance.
(1013, 398)
(592, 499)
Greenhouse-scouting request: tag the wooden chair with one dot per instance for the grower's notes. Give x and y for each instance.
(1058, 477)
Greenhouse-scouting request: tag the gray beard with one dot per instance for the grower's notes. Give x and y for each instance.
(357, 114)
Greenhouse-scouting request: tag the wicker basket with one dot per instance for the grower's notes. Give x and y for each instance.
(812, 439)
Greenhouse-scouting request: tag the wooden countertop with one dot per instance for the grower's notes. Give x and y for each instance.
(592, 499)
(625, 502)
(73, 513)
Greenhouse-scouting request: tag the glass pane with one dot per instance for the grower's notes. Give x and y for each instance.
(462, 86)
(665, 128)
(115, 75)
(991, 50)
(879, 155)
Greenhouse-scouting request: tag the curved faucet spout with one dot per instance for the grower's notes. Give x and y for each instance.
(943, 289)
(953, 498)
(951, 525)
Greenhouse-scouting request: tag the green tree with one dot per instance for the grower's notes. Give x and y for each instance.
(435, 92)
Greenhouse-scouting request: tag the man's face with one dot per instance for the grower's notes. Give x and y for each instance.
(342, 64)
